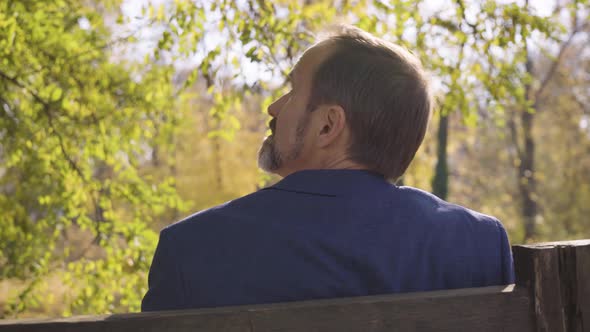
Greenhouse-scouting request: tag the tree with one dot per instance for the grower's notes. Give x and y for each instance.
(535, 83)
(486, 174)
(75, 127)
(562, 158)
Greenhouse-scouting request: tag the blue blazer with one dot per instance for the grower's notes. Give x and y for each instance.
(324, 234)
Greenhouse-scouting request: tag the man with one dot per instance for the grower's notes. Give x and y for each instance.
(334, 226)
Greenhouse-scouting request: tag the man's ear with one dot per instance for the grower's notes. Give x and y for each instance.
(332, 124)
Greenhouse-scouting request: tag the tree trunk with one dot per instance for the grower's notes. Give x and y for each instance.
(440, 182)
(526, 173)
(526, 168)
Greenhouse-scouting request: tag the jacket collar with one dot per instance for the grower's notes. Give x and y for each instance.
(333, 182)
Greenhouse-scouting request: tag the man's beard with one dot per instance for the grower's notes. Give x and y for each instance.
(271, 159)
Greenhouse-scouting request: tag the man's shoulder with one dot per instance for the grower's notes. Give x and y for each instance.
(231, 211)
(441, 210)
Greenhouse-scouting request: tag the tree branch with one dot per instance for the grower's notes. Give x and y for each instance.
(583, 105)
(556, 62)
(101, 47)
(514, 134)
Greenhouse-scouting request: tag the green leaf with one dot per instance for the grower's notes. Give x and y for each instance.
(56, 94)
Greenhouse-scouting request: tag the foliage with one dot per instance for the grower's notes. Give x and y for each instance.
(484, 161)
(74, 130)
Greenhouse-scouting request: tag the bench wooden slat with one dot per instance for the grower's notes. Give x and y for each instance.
(496, 308)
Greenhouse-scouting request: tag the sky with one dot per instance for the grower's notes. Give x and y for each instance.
(148, 38)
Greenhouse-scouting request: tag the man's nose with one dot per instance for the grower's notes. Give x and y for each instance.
(275, 107)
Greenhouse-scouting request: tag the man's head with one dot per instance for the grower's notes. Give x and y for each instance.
(356, 102)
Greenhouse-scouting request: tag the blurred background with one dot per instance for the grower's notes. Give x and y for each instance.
(118, 117)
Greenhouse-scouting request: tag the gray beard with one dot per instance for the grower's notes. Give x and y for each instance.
(269, 158)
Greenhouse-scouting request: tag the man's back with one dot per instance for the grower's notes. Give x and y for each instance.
(324, 234)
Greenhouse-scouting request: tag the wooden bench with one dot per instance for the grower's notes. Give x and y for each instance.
(552, 293)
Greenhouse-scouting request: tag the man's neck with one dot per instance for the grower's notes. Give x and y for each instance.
(343, 163)
(329, 164)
